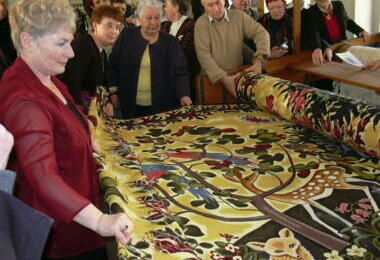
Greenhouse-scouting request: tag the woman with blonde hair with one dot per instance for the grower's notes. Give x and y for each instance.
(56, 169)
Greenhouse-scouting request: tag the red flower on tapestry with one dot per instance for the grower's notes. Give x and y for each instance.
(183, 130)
(338, 132)
(326, 125)
(305, 121)
(156, 215)
(298, 97)
(228, 236)
(362, 124)
(303, 174)
(192, 115)
(155, 175)
(228, 130)
(218, 165)
(269, 102)
(172, 247)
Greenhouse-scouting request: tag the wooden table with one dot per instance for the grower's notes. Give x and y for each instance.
(343, 73)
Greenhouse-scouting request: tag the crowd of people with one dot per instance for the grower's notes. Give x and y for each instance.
(46, 90)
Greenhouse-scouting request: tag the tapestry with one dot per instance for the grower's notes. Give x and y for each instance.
(275, 177)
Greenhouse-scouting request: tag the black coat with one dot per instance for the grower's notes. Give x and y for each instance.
(86, 70)
(316, 33)
(169, 73)
(7, 51)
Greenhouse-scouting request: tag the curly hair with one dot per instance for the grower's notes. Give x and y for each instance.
(156, 4)
(40, 17)
(106, 11)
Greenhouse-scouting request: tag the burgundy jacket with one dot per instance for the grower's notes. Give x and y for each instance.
(55, 166)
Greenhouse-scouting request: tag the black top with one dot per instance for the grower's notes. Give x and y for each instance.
(8, 52)
(77, 114)
(281, 31)
(316, 33)
(87, 69)
(169, 73)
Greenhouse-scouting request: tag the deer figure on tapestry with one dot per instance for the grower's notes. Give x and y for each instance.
(285, 247)
(321, 185)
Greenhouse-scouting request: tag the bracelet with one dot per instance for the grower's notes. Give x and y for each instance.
(98, 224)
(259, 58)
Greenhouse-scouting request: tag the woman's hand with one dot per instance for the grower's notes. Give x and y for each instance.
(366, 36)
(115, 101)
(94, 143)
(108, 109)
(277, 52)
(317, 57)
(118, 225)
(373, 66)
(186, 101)
(6, 144)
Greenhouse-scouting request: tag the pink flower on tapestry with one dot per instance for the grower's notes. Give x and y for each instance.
(307, 91)
(293, 96)
(300, 103)
(362, 213)
(269, 101)
(343, 208)
(365, 206)
(216, 256)
(358, 219)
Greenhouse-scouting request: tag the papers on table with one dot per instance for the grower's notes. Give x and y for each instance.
(350, 59)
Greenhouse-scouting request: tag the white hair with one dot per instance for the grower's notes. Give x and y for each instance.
(156, 4)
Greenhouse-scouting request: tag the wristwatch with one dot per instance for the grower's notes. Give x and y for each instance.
(260, 58)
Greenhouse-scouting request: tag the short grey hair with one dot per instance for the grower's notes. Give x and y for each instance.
(40, 17)
(156, 4)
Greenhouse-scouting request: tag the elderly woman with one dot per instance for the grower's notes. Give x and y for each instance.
(148, 67)
(326, 23)
(280, 27)
(56, 169)
(182, 27)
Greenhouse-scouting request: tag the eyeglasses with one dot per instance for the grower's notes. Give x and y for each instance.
(276, 8)
(112, 26)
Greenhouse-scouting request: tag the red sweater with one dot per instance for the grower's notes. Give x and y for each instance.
(334, 28)
(55, 167)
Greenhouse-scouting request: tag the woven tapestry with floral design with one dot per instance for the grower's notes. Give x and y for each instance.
(291, 173)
